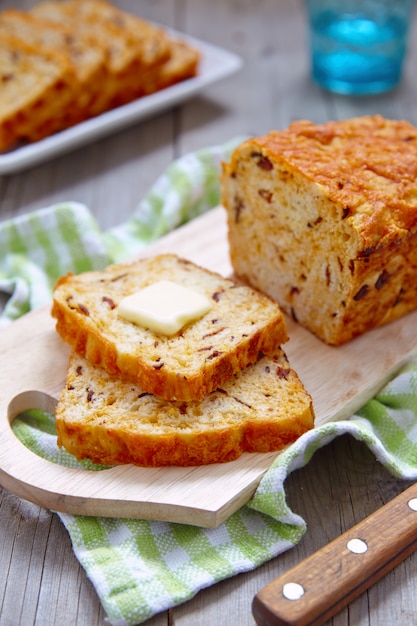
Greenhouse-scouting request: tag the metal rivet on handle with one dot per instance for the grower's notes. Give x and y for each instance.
(357, 546)
(413, 504)
(292, 591)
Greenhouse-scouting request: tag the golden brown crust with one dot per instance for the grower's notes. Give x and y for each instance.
(262, 409)
(324, 219)
(366, 165)
(203, 355)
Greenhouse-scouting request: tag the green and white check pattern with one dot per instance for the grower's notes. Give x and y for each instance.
(140, 567)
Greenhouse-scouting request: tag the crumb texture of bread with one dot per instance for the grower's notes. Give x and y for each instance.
(240, 324)
(72, 60)
(111, 422)
(323, 218)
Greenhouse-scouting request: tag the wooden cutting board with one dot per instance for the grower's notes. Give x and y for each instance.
(33, 369)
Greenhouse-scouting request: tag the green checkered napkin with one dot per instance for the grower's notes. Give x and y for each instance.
(141, 567)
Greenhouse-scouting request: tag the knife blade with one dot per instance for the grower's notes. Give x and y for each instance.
(322, 584)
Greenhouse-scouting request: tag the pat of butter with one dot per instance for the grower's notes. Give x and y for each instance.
(164, 307)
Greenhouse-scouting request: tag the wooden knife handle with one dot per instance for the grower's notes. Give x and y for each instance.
(318, 587)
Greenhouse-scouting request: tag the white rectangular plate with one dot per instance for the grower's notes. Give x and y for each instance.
(215, 64)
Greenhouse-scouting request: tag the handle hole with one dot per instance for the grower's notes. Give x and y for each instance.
(32, 418)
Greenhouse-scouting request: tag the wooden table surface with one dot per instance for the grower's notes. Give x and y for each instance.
(41, 581)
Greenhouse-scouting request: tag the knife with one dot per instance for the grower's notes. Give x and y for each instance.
(321, 585)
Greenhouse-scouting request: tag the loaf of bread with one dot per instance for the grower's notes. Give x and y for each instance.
(189, 365)
(261, 409)
(135, 49)
(323, 218)
(127, 37)
(99, 56)
(161, 60)
(131, 45)
(36, 86)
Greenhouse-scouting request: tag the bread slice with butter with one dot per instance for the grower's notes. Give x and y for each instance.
(262, 409)
(199, 358)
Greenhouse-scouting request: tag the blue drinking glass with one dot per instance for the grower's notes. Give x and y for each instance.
(358, 47)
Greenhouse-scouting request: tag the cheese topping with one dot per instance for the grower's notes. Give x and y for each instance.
(164, 307)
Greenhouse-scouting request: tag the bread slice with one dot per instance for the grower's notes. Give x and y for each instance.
(87, 61)
(187, 366)
(132, 46)
(36, 87)
(261, 409)
(323, 218)
(182, 64)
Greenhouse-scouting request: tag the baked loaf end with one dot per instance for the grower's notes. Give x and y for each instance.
(187, 366)
(112, 422)
(323, 218)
